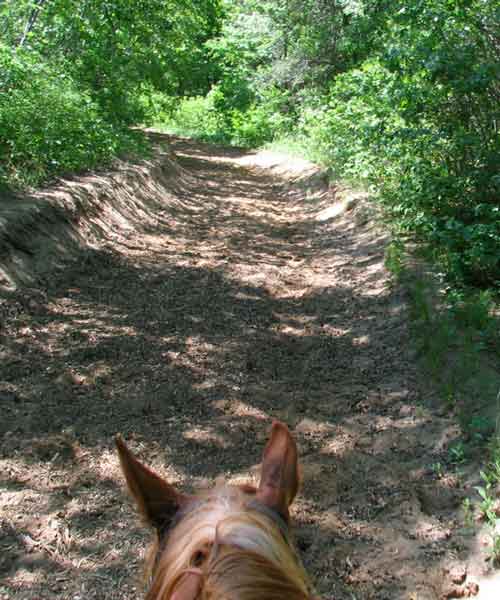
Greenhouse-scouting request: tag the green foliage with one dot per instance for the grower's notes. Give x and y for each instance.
(264, 120)
(468, 513)
(394, 257)
(438, 470)
(456, 336)
(156, 106)
(197, 117)
(348, 130)
(47, 125)
(404, 98)
(115, 45)
(489, 506)
(457, 453)
(401, 97)
(75, 75)
(212, 118)
(430, 172)
(494, 550)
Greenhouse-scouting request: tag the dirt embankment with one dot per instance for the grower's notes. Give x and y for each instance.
(41, 232)
(186, 302)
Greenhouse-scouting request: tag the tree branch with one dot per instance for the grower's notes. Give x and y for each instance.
(35, 12)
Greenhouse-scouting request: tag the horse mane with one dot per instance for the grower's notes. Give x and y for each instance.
(238, 554)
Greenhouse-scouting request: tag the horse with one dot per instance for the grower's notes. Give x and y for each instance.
(230, 543)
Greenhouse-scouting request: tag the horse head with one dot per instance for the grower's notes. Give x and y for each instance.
(231, 543)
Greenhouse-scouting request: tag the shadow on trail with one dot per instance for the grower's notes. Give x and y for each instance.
(189, 339)
(173, 340)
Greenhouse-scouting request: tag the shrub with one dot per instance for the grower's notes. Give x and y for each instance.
(157, 107)
(214, 117)
(199, 118)
(48, 126)
(434, 172)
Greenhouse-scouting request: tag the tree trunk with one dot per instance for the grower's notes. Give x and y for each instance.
(35, 12)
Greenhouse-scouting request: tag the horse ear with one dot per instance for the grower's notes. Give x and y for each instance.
(279, 480)
(157, 500)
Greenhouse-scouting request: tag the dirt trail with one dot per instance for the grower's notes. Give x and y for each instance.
(244, 297)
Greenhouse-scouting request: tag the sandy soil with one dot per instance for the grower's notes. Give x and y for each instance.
(240, 290)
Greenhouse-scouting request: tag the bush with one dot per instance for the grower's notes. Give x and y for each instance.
(434, 172)
(348, 130)
(157, 107)
(214, 118)
(264, 120)
(198, 117)
(48, 126)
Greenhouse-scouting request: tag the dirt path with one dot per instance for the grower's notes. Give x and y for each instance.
(246, 299)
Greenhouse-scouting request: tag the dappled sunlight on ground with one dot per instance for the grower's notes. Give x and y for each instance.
(220, 291)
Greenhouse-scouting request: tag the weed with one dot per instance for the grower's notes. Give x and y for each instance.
(487, 505)
(468, 512)
(494, 551)
(438, 470)
(420, 412)
(474, 311)
(457, 453)
(452, 333)
(394, 254)
(489, 493)
(495, 448)
(78, 133)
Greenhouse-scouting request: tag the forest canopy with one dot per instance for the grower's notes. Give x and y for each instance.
(401, 97)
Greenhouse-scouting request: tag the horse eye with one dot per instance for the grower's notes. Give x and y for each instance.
(199, 557)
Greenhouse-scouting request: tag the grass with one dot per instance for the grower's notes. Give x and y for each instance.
(456, 333)
(289, 145)
(490, 495)
(456, 336)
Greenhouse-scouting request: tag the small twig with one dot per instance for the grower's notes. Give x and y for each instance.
(497, 423)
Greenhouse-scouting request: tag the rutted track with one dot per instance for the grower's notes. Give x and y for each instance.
(215, 295)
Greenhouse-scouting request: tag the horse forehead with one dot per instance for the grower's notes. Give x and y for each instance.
(216, 504)
(226, 520)
(225, 496)
(234, 508)
(232, 517)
